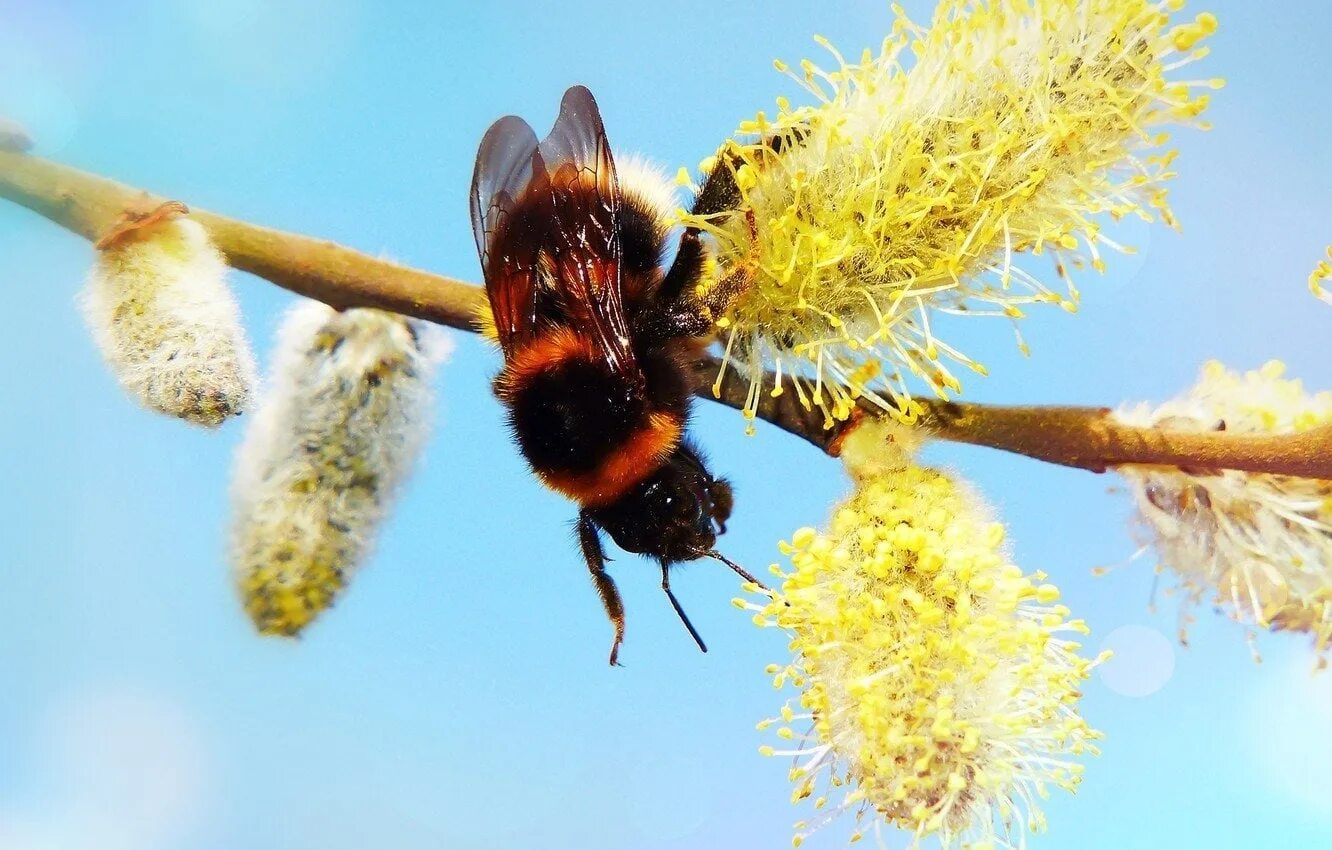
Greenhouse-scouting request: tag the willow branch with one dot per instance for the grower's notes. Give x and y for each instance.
(1093, 439)
(1081, 437)
(89, 206)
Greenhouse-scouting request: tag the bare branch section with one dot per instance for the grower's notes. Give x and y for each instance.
(1082, 437)
(91, 206)
(1090, 438)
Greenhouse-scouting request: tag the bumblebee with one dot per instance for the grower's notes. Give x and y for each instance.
(598, 337)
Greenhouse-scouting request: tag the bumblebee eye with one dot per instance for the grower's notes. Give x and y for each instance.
(658, 498)
(695, 510)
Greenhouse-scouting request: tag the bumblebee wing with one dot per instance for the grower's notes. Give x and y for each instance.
(547, 219)
(584, 235)
(507, 236)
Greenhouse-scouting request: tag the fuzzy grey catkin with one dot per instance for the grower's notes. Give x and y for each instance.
(338, 430)
(161, 313)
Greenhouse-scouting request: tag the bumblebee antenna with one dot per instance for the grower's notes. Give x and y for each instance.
(739, 570)
(675, 603)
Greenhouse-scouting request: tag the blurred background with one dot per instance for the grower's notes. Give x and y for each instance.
(458, 697)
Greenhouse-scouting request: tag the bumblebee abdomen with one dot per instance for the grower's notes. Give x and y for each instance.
(571, 416)
(588, 432)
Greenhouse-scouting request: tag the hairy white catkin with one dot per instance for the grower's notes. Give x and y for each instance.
(160, 311)
(338, 430)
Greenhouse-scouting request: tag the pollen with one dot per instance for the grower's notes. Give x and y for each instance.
(165, 321)
(937, 682)
(1318, 279)
(340, 429)
(967, 169)
(1257, 547)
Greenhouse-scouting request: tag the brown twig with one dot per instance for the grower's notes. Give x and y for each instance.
(91, 206)
(1082, 437)
(1091, 438)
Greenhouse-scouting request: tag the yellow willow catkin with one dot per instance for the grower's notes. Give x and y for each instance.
(1258, 547)
(339, 429)
(161, 313)
(915, 186)
(938, 682)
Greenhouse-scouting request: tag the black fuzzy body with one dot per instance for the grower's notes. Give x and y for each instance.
(578, 415)
(572, 418)
(599, 339)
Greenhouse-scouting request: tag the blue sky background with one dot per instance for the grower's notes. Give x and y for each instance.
(458, 698)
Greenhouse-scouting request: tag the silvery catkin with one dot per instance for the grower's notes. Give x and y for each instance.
(337, 432)
(161, 313)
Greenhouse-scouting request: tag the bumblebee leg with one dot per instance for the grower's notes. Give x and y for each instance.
(687, 313)
(590, 542)
(686, 268)
(675, 603)
(718, 194)
(723, 502)
(720, 296)
(720, 191)
(680, 313)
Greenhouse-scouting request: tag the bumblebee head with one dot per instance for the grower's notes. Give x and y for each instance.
(673, 515)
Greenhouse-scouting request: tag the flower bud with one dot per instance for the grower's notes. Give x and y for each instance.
(161, 313)
(338, 430)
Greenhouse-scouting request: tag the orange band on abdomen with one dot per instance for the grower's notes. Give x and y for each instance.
(544, 353)
(628, 465)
